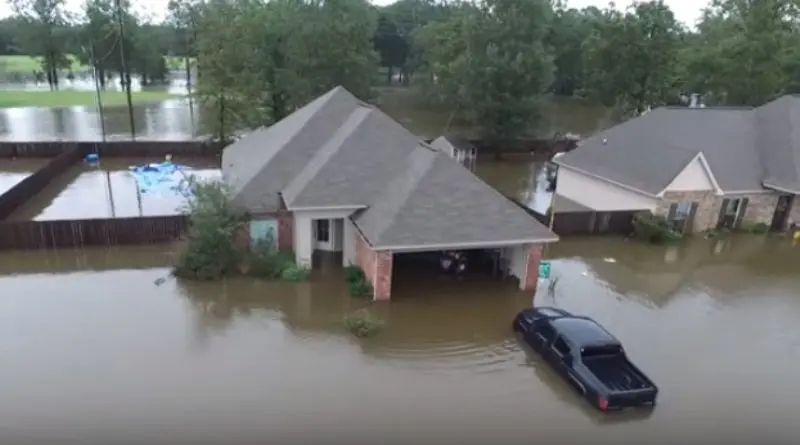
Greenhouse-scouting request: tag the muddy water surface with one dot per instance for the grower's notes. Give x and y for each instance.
(95, 351)
(13, 171)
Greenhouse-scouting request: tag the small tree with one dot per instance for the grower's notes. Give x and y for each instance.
(214, 222)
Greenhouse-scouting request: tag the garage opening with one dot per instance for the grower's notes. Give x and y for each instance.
(457, 269)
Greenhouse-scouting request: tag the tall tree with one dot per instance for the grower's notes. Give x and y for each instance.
(259, 61)
(745, 51)
(491, 61)
(631, 59)
(40, 22)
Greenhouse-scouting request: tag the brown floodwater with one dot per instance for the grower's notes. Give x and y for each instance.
(13, 171)
(110, 191)
(177, 120)
(96, 351)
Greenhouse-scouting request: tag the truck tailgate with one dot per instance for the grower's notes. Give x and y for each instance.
(625, 399)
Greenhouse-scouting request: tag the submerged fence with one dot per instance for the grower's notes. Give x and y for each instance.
(87, 232)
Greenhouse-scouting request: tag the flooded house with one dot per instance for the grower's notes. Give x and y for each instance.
(339, 175)
(700, 167)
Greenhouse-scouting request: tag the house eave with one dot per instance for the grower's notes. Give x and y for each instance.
(781, 189)
(610, 181)
(463, 245)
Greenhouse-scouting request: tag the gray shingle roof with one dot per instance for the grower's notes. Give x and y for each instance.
(354, 163)
(779, 142)
(261, 164)
(339, 152)
(436, 201)
(744, 147)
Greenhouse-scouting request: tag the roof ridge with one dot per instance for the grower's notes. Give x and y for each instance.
(356, 118)
(397, 185)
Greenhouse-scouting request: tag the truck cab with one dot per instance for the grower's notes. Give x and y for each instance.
(591, 359)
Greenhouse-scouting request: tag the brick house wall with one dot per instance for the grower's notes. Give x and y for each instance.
(760, 208)
(532, 268)
(707, 209)
(795, 213)
(377, 267)
(285, 230)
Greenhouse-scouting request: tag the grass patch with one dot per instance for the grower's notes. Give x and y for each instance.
(70, 98)
(363, 324)
(26, 65)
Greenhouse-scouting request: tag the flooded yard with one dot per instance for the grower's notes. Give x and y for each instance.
(95, 351)
(109, 191)
(13, 171)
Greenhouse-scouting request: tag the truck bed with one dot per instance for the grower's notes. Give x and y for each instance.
(617, 373)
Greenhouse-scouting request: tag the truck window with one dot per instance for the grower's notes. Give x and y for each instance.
(561, 346)
(601, 351)
(546, 332)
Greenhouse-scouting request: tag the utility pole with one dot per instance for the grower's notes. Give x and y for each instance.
(126, 75)
(97, 91)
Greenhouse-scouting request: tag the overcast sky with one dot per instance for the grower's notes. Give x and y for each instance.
(687, 11)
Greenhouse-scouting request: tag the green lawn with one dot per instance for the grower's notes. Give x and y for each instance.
(27, 64)
(68, 98)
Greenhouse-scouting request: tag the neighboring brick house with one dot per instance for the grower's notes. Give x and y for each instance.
(339, 175)
(702, 168)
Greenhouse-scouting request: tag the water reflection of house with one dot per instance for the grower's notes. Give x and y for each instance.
(701, 168)
(339, 175)
(660, 272)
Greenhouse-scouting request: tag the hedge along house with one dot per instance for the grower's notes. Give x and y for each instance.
(339, 175)
(701, 168)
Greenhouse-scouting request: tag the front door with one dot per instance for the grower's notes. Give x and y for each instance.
(322, 234)
(781, 215)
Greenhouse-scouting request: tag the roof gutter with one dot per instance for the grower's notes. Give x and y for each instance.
(459, 246)
(781, 189)
(610, 181)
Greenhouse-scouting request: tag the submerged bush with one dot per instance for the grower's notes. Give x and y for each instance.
(211, 247)
(654, 228)
(213, 225)
(357, 282)
(295, 273)
(363, 324)
(758, 228)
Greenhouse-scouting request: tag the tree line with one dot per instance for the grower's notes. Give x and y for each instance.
(492, 62)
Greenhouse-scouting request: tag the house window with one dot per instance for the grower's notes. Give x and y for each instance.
(323, 230)
(731, 212)
(681, 216)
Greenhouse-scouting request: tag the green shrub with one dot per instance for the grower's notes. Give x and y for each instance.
(210, 250)
(357, 281)
(758, 228)
(363, 324)
(654, 228)
(353, 274)
(295, 273)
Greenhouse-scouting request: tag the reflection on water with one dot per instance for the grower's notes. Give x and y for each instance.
(168, 120)
(95, 350)
(175, 120)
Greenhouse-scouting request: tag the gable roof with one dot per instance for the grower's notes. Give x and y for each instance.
(436, 201)
(337, 152)
(745, 148)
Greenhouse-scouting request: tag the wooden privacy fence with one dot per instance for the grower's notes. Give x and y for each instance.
(91, 232)
(590, 223)
(110, 148)
(14, 197)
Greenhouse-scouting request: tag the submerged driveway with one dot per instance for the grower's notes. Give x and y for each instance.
(107, 355)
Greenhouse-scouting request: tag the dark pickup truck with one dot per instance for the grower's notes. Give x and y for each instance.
(588, 356)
